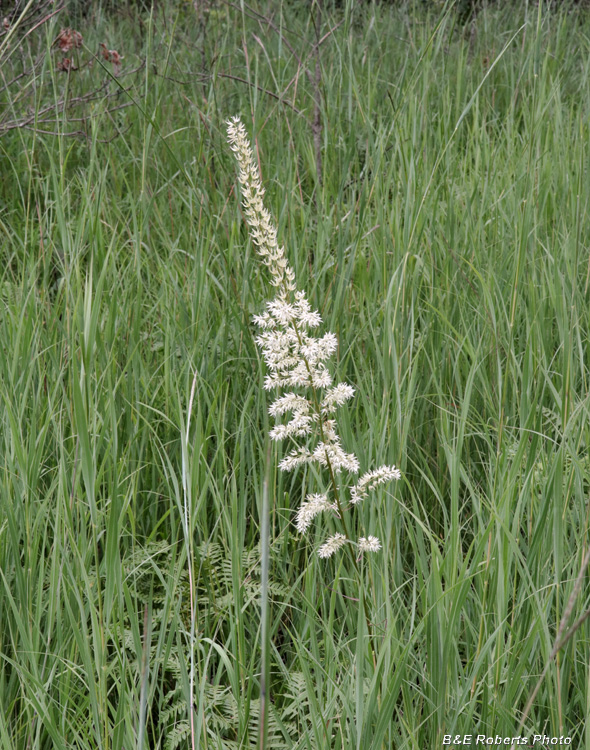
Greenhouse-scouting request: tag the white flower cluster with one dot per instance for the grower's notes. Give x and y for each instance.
(314, 505)
(296, 360)
(368, 544)
(332, 545)
(293, 357)
(372, 479)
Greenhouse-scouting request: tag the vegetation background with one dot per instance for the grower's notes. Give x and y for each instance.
(429, 176)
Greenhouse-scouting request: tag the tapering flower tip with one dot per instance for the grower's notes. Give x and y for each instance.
(332, 545)
(235, 131)
(262, 230)
(368, 544)
(372, 479)
(314, 505)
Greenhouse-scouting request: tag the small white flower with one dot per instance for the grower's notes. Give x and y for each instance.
(299, 375)
(299, 426)
(332, 545)
(321, 378)
(336, 396)
(329, 428)
(314, 505)
(264, 321)
(306, 318)
(336, 456)
(368, 544)
(273, 381)
(282, 311)
(318, 350)
(295, 459)
(372, 479)
(289, 402)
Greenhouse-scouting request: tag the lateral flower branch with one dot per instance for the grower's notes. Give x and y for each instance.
(296, 361)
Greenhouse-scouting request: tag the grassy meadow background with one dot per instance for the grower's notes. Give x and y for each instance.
(446, 244)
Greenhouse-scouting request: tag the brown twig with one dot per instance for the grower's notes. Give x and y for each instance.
(38, 117)
(20, 87)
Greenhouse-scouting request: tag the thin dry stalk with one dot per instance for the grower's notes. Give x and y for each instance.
(560, 639)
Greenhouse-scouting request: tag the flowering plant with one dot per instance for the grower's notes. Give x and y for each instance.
(296, 362)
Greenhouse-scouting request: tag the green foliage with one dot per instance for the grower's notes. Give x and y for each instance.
(446, 247)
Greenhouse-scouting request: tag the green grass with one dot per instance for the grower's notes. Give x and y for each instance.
(446, 246)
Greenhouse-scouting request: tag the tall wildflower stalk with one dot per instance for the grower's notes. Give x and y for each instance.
(307, 398)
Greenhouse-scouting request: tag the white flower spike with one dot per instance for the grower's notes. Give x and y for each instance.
(296, 361)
